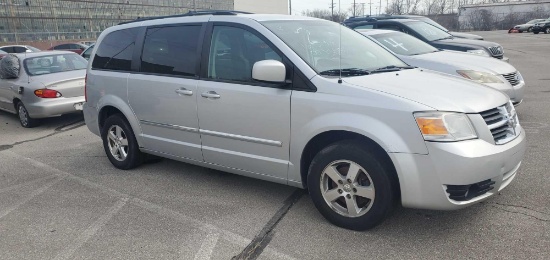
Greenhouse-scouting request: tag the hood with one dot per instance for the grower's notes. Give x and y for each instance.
(466, 36)
(465, 61)
(437, 90)
(474, 44)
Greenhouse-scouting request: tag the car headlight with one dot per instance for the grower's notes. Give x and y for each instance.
(479, 52)
(445, 126)
(479, 76)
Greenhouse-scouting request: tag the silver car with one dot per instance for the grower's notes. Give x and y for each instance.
(278, 98)
(526, 27)
(490, 72)
(42, 84)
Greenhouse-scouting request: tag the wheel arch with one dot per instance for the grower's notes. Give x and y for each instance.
(110, 105)
(322, 140)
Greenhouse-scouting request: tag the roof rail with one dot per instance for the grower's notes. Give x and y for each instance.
(190, 13)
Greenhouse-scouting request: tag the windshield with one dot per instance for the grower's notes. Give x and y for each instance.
(428, 31)
(403, 44)
(432, 22)
(54, 63)
(317, 43)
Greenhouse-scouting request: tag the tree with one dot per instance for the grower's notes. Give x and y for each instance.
(326, 14)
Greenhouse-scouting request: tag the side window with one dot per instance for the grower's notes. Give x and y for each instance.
(390, 27)
(234, 51)
(59, 47)
(19, 49)
(171, 50)
(364, 26)
(116, 50)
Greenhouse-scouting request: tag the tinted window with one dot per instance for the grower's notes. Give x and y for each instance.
(88, 52)
(171, 50)
(115, 51)
(234, 52)
(364, 26)
(19, 49)
(403, 44)
(390, 27)
(61, 47)
(8, 49)
(54, 63)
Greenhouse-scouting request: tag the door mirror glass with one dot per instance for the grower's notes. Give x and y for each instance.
(269, 71)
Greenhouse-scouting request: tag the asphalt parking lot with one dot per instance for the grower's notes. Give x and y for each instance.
(60, 198)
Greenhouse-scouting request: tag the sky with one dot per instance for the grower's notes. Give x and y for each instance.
(299, 5)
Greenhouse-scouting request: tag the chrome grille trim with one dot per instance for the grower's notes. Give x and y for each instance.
(503, 123)
(512, 78)
(496, 50)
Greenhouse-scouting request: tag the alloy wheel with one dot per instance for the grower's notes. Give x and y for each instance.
(347, 188)
(117, 142)
(23, 115)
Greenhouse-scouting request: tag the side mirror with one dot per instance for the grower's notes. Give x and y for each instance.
(269, 71)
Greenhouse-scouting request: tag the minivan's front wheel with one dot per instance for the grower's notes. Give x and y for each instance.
(350, 186)
(120, 143)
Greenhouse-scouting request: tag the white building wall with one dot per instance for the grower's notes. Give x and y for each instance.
(262, 6)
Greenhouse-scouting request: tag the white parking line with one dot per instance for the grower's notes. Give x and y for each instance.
(207, 247)
(17, 186)
(33, 194)
(91, 230)
(155, 208)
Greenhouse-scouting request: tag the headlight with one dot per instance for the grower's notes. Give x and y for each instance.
(445, 126)
(479, 52)
(479, 76)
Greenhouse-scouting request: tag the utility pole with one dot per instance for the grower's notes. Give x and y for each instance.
(194, 6)
(363, 4)
(290, 7)
(354, 8)
(380, 8)
(332, 8)
(370, 7)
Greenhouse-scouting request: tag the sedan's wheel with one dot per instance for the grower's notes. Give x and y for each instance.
(120, 143)
(24, 117)
(351, 186)
(536, 32)
(529, 29)
(547, 30)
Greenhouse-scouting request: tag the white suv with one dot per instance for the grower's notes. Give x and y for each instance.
(275, 98)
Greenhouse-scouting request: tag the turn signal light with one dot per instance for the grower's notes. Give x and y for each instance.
(432, 126)
(47, 93)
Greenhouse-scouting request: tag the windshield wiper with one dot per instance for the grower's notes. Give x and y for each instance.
(345, 72)
(391, 68)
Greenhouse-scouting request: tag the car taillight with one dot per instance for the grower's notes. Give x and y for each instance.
(47, 93)
(85, 81)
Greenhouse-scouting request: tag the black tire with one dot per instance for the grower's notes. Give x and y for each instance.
(529, 29)
(134, 156)
(536, 32)
(520, 31)
(25, 119)
(381, 176)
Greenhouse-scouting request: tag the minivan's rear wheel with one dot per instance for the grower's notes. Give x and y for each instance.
(120, 143)
(350, 186)
(24, 118)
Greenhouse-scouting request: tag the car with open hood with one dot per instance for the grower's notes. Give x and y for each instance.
(301, 102)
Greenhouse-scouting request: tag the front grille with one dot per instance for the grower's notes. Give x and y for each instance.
(502, 122)
(512, 78)
(496, 50)
(468, 192)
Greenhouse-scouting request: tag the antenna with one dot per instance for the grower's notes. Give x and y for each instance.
(340, 44)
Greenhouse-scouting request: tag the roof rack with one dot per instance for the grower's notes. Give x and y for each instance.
(190, 13)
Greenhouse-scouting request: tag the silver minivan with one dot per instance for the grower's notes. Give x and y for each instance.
(303, 102)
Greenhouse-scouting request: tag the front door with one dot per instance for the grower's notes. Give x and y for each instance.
(163, 94)
(244, 124)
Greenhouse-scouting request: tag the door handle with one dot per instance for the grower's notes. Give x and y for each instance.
(210, 94)
(184, 91)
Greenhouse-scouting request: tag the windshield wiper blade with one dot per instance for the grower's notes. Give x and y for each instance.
(345, 72)
(392, 68)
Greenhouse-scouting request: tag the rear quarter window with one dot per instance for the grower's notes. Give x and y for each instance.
(116, 50)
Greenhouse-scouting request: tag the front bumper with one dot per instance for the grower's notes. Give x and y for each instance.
(424, 179)
(51, 107)
(515, 93)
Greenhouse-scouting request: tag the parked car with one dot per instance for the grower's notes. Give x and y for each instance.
(74, 47)
(490, 72)
(19, 48)
(40, 85)
(543, 26)
(433, 36)
(273, 97)
(86, 53)
(414, 17)
(526, 27)
(2, 54)
(87, 43)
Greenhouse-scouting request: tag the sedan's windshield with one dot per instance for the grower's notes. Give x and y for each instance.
(432, 22)
(48, 64)
(403, 44)
(535, 21)
(317, 43)
(428, 31)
